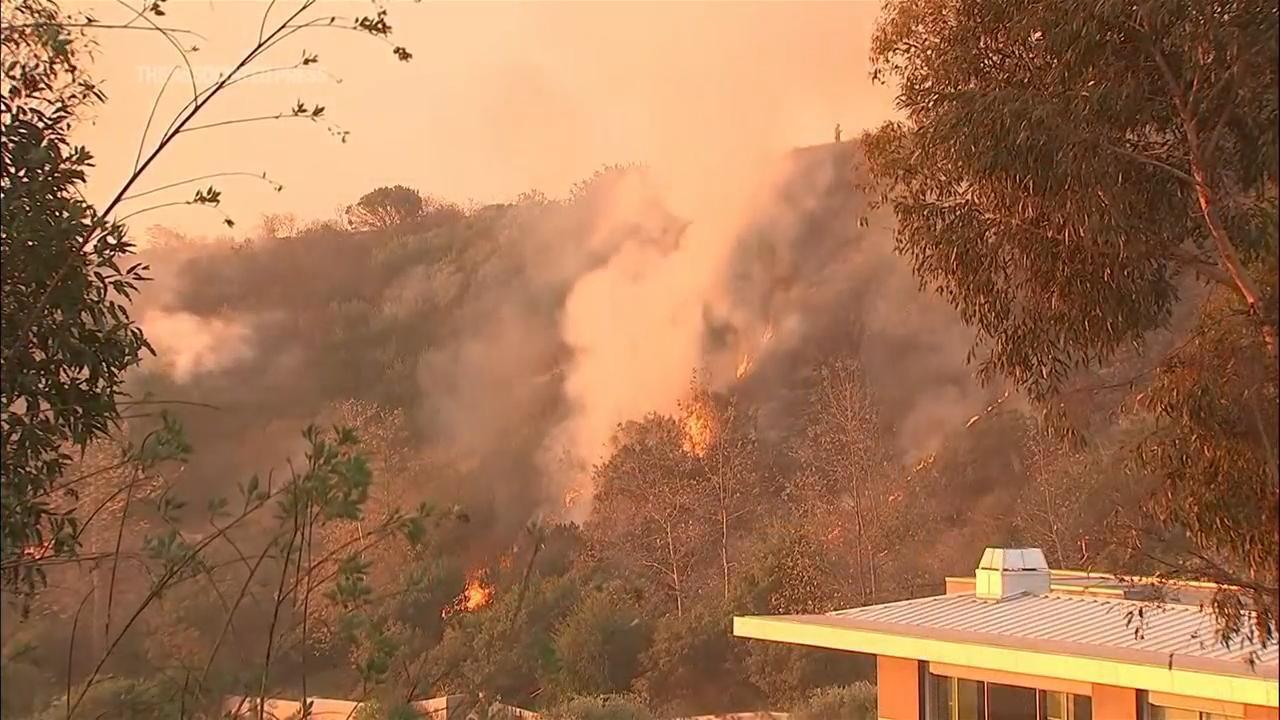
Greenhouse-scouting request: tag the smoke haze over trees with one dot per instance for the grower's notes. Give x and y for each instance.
(566, 439)
(517, 337)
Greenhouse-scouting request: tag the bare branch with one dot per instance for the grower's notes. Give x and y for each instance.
(1185, 177)
(241, 121)
(175, 203)
(109, 26)
(188, 181)
(262, 26)
(181, 53)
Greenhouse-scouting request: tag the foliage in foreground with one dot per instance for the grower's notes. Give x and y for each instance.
(67, 339)
(1070, 177)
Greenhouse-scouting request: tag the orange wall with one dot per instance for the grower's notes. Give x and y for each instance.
(898, 688)
(1115, 703)
(1258, 712)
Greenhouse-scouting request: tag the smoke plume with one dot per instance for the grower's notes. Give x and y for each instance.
(518, 337)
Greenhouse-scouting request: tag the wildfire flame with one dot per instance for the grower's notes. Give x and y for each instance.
(477, 594)
(924, 463)
(572, 496)
(990, 409)
(38, 552)
(744, 364)
(699, 429)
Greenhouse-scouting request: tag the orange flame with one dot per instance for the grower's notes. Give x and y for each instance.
(476, 594)
(699, 429)
(571, 496)
(744, 364)
(990, 409)
(924, 463)
(38, 552)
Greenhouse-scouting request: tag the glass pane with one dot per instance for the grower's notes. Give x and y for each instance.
(938, 703)
(1083, 707)
(1007, 702)
(1053, 705)
(970, 701)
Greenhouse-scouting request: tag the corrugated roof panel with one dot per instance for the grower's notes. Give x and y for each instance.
(1101, 621)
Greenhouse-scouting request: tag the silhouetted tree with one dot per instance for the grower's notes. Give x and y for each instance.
(386, 207)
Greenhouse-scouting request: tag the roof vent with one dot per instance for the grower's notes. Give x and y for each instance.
(1005, 572)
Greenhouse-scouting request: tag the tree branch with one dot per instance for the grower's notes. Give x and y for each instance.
(107, 26)
(1185, 177)
(240, 121)
(169, 37)
(232, 173)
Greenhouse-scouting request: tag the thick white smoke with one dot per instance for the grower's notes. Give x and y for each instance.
(187, 345)
(637, 325)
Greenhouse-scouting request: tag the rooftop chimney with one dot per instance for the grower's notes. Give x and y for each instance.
(1005, 572)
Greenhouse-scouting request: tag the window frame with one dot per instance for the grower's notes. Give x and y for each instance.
(933, 710)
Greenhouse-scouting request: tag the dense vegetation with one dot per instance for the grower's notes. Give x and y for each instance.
(428, 542)
(697, 515)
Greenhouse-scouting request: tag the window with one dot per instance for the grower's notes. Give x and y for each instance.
(1008, 702)
(950, 698)
(1057, 705)
(1167, 713)
(956, 699)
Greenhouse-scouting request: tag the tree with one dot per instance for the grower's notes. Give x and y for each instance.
(386, 207)
(1213, 446)
(1059, 168)
(1062, 173)
(645, 513)
(793, 570)
(385, 445)
(1071, 505)
(279, 225)
(598, 646)
(846, 471)
(730, 472)
(67, 339)
(693, 663)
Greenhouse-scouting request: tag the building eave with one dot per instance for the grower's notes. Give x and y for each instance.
(1143, 670)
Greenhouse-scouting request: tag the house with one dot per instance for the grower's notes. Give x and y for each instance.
(1018, 641)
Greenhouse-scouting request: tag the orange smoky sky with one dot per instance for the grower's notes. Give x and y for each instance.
(500, 98)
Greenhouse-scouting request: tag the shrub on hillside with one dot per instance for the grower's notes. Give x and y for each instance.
(602, 707)
(375, 710)
(841, 702)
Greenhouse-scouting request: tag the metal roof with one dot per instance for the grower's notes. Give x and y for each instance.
(1088, 624)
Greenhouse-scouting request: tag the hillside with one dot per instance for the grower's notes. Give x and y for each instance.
(798, 420)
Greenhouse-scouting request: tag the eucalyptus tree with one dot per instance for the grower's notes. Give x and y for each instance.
(1067, 175)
